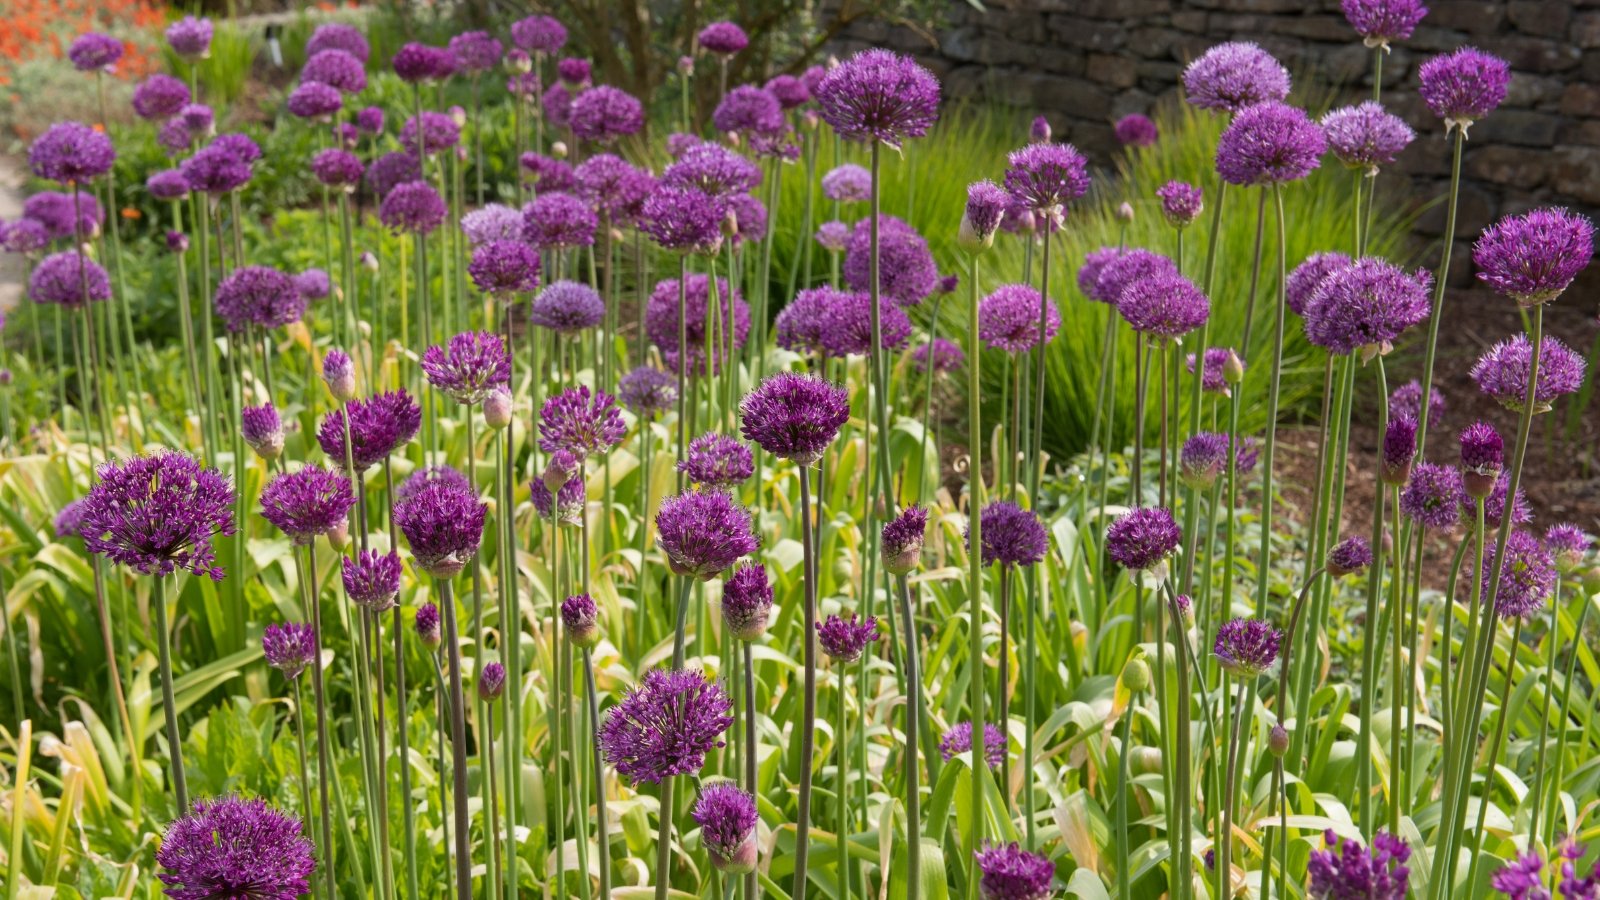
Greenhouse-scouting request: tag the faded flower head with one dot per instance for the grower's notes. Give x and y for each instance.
(1142, 538)
(580, 422)
(1503, 372)
(847, 183)
(1232, 76)
(157, 514)
(844, 639)
(307, 502)
(665, 726)
(717, 461)
(471, 365)
(1269, 143)
(1246, 647)
(942, 354)
(231, 847)
(879, 95)
(1532, 258)
(1012, 536)
(794, 416)
(372, 579)
(703, 533)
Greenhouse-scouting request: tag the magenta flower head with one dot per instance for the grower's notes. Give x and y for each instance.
(433, 133)
(986, 207)
(1399, 449)
(1202, 459)
(717, 461)
(1008, 319)
(1164, 307)
(1181, 203)
(580, 422)
(1135, 130)
(190, 37)
(1046, 177)
(847, 183)
(231, 847)
(503, 268)
(1482, 458)
(476, 51)
(1381, 21)
(794, 416)
(846, 326)
(471, 365)
(1503, 372)
(559, 220)
(426, 622)
(1142, 538)
(71, 153)
(1349, 556)
(712, 168)
(312, 100)
(157, 514)
(1307, 277)
(748, 109)
(68, 279)
(1008, 872)
(1012, 536)
(1433, 495)
(313, 284)
(790, 91)
(372, 579)
(216, 170)
(879, 95)
(539, 34)
(1230, 77)
(1378, 873)
(1269, 143)
(581, 619)
(603, 114)
(412, 207)
(335, 68)
(565, 505)
(556, 102)
(722, 38)
(901, 540)
(61, 215)
(378, 427)
(1463, 86)
(338, 36)
(289, 647)
(418, 63)
(844, 639)
(943, 355)
(1406, 400)
(1366, 306)
(1129, 267)
(647, 392)
(832, 236)
(567, 307)
(94, 51)
(1246, 647)
(665, 726)
(1532, 258)
(492, 681)
(682, 219)
(261, 430)
(727, 818)
(1366, 136)
(703, 533)
(1526, 578)
(306, 503)
(160, 97)
(444, 525)
(959, 740)
(906, 270)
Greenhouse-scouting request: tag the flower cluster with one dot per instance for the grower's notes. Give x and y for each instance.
(157, 514)
(665, 726)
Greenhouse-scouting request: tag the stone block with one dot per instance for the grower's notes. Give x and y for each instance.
(1191, 20)
(1471, 16)
(1072, 97)
(1113, 71)
(1316, 28)
(1075, 31)
(1504, 167)
(1579, 99)
(1585, 30)
(1576, 173)
(1474, 210)
(1546, 18)
(1517, 126)
(1534, 54)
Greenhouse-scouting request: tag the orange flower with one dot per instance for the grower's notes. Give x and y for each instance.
(129, 212)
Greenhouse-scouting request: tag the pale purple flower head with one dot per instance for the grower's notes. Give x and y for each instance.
(312, 100)
(505, 267)
(1181, 203)
(942, 354)
(1522, 878)
(1269, 143)
(1463, 86)
(160, 97)
(959, 740)
(262, 430)
(157, 514)
(338, 36)
(1532, 258)
(647, 391)
(69, 519)
(794, 416)
(985, 210)
(1526, 578)
(71, 153)
(846, 325)
(94, 51)
(556, 102)
(378, 427)
(417, 63)
(289, 647)
(339, 372)
(539, 34)
(190, 37)
(1246, 455)
(1378, 873)
(336, 68)
(844, 639)
(1202, 459)
(477, 51)
(746, 219)
(605, 113)
(747, 602)
(337, 168)
(684, 220)
(900, 542)
(665, 726)
(1365, 306)
(307, 502)
(906, 270)
(832, 236)
(258, 297)
(1349, 556)
(661, 322)
(1046, 177)
(1136, 130)
(413, 207)
(1567, 544)
(1366, 136)
(433, 133)
(1306, 278)
(1164, 307)
(879, 95)
(493, 222)
(1009, 872)
(748, 109)
(25, 236)
(724, 38)
(1381, 21)
(1094, 263)
(1127, 268)
(1433, 495)
(1008, 319)
(1012, 536)
(717, 461)
(1503, 371)
(714, 169)
(559, 220)
(68, 279)
(567, 307)
(231, 847)
(1246, 647)
(391, 170)
(444, 525)
(1142, 538)
(313, 284)
(727, 818)
(1230, 77)
(580, 422)
(847, 183)
(1406, 400)
(1494, 503)
(372, 579)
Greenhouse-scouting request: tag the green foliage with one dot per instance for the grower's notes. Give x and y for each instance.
(226, 71)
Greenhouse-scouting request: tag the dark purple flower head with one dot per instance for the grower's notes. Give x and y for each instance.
(1246, 455)
(1522, 878)
(502, 268)
(1494, 503)
(378, 427)
(1046, 177)
(1136, 130)
(800, 324)
(338, 36)
(1406, 401)
(646, 391)
(1366, 306)
(412, 207)
(613, 185)
(685, 220)
(794, 416)
(605, 113)
(1463, 86)
(493, 222)
(661, 322)
(467, 368)
(556, 103)
(258, 297)
(906, 270)
(748, 109)
(1203, 458)
(901, 540)
(790, 91)
(313, 284)
(847, 183)
(567, 307)
(93, 51)
(177, 242)
(724, 38)
(1143, 538)
(846, 325)
(231, 847)
(1502, 372)
(1381, 21)
(703, 533)
(580, 422)
(1215, 377)
(747, 602)
(1012, 873)
(369, 121)
(1246, 647)
(1164, 307)
(262, 430)
(1349, 556)
(1008, 319)
(942, 354)
(575, 71)
(844, 639)
(1012, 536)
(157, 514)
(1378, 873)
(565, 505)
(712, 168)
(71, 153)
(312, 100)
(416, 63)
(727, 818)
(190, 37)
(160, 97)
(427, 625)
(1269, 143)
(1526, 578)
(959, 740)
(1568, 544)
(1482, 457)
(476, 51)
(68, 279)
(717, 461)
(436, 132)
(581, 619)
(1307, 277)
(391, 170)
(1433, 495)
(665, 726)
(443, 524)
(335, 68)
(69, 520)
(1366, 136)
(372, 579)
(289, 647)
(1128, 268)
(1532, 258)
(26, 237)
(307, 503)
(1399, 449)
(986, 208)
(559, 220)
(337, 168)
(216, 169)
(492, 681)
(1230, 77)
(1181, 203)
(62, 216)
(539, 34)
(879, 95)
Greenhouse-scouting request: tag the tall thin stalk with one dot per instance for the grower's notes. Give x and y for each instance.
(458, 739)
(975, 501)
(913, 771)
(809, 703)
(169, 705)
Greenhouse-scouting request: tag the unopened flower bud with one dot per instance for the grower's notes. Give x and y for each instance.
(686, 65)
(810, 119)
(1233, 368)
(458, 116)
(339, 535)
(177, 242)
(1278, 740)
(1125, 211)
(1040, 130)
(340, 374)
(730, 223)
(732, 138)
(369, 261)
(427, 624)
(581, 619)
(497, 408)
(902, 540)
(1136, 675)
(518, 62)
(5, 377)
(559, 149)
(562, 467)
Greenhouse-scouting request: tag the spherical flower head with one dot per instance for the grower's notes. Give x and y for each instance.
(901, 540)
(604, 114)
(289, 647)
(575, 71)
(312, 100)
(661, 322)
(231, 847)
(413, 207)
(1378, 872)
(1246, 647)
(613, 186)
(1012, 536)
(417, 63)
(1232, 76)
(337, 168)
(71, 153)
(444, 525)
(378, 427)
(727, 818)
(215, 170)
(1494, 503)
(1482, 458)
(1165, 307)
(558, 220)
(157, 514)
(433, 133)
(1568, 544)
(1432, 496)
(476, 51)
(258, 297)
(1181, 203)
(261, 430)
(986, 208)
(1381, 21)
(879, 95)
(160, 97)
(427, 624)
(791, 92)
(338, 36)
(800, 324)
(62, 215)
(665, 726)
(1366, 136)
(580, 422)
(748, 109)
(69, 279)
(703, 533)
(392, 170)
(844, 639)
(240, 146)
(646, 391)
(190, 37)
(682, 219)
(906, 270)
(794, 416)
(1348, 557)
(1526, 578)
(25, 237)
(372, 579)
(1215, 375)
(832, 236)
(1008, 319)
(69, 520)
(1143, 538)
(539, 34)
(723, 38)
(1269, 143)
(581, 619)
(307, 502)
(1009, 872)
(1532, 258)
(1045, 177)
(847, 183)
(1094, 263)
(1365, 306)
(93, 51)
(1135, 130)
(1399, 449)
(313, 284)
(846, 326)
(567, 307)
(565, 505)
(1406, 401)
(717, 461)
(1503, 371)
(337, 69)
(468, 367)
(493, 222)
(177, 242)
(1463, 86)
(502, 268)
(1129, 267)
(943, 355)
(712, 168)
(959, 740)
(1202, 459)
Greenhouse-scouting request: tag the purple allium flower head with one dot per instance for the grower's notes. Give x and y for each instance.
(714, 169)
(906, 270)
(613, 185)
(847, 183)
(1366, 136)
(215, 170)
(959, 740)
(1008, 319)
(71, 153)
(1522, 878)
(1349, 556)
(476, 51)
(160, 97)
(844, 639)
(1406, 400)
(1502, 372)
(1246, 647)
(426, 622)
(581, 619)
(1181, 203)
(575, 71)
(24, 236)
(505, 267)
(157, 514)
(1046, 177)
(1381, 21)
(198, 118)
(703, 533)
(61, 217)
(177, 242)
(1463, 86)
(665, 726)
(1532, 258)
(747, 602)
(443, 524)
(539, 34)
(312, 100)
(1494, 503)
(337, 69)
(685, 220)
(556, 102)
(1433, 495)
(725, 38)
(1128, 268)
(1214, 371)
(240, 146)
(879, 95)
(943, 355)
(231, 847)
(1142, 538)
(1307, 277)
(605, 113)
(1012, 536)
(794, 416)
(717, 461)
(372, 579)
(567, 307)
(1164, 307)
(391, 170)
(846, 326)
(69, 279)
(1094, 263)
(412, 207)
(559, 220)
(1246, 455)
(1399, 449)
(493, 222)
(832, 236)
(190, 37)
(746, 217)
(259, 297)
(748, 109)
(69, 520)
(1567, 544)
(492, 681)
(1366, 306)
(1135, 130)
(727, 818)
(1202, 459)
(566, 505)
(337, 168)
(646, 391)
(1527, 576)
(436, 132)
(580, 423)
(369, 121)
(1482, 457)
(378, 426)
(661, 322)
(1230, 77)
(1009, 872)
(289, 647)
(262, 430)
(1269, 143)
(338, 36)
(468, 367)
(900, 542)
(799, 326)
(790, 91)
(307, 502)
(94, 51)
(986, 208)
(416, 63)
(1378, 873)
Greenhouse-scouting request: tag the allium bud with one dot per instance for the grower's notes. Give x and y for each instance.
(339, 535)
(518, 62)
(369, 261)
(340, 374)
(902, 540)
(1125, 212)
(686, 65)
(492, 681)
(262, 430)
(1136, 675)
(560, 470)
(1482, 458)
(581, 619)
(1399, 449)
(458, 115)
(177, 242)
(1040, 130)
(1233, 368)
(497, 407)
(1349, 556)
(427, 623)
(1278, 740)
(5, 377)
(559, 149)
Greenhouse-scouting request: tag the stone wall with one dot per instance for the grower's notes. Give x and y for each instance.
(1085, 63)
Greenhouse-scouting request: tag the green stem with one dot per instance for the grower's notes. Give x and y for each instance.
(169, 705)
